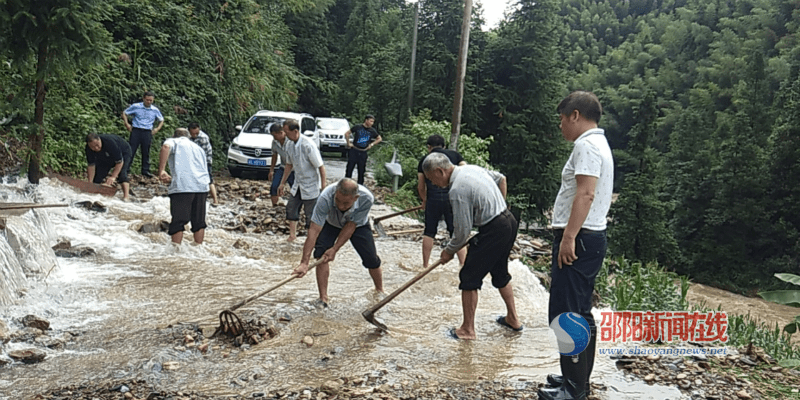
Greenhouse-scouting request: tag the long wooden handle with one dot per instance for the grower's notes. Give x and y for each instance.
(279, 284)
(383, 217)
(14, 207)
(394, 294)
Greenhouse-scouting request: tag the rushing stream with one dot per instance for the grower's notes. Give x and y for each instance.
(118, 302)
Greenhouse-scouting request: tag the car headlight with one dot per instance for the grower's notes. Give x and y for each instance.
(235, 147)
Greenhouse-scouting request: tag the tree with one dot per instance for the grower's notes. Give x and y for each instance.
(61, 37)
(526, 85)
(639, 229)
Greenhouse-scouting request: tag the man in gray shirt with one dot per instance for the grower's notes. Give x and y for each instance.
(477, 197)
(188, 189)
(341, 214)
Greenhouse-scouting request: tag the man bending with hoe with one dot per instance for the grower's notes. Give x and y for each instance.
(341, 214)
(478, 199)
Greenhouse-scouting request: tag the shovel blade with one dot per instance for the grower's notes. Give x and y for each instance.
(370, 317)
(379, 228)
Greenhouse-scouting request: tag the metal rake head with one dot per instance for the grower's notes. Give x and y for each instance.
(230, 324)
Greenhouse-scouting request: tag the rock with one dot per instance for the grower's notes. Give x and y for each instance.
(75, 252)
(742, 394)
(63, 244)
(746, 360)
(653, 357)
(650, 378)
(308, 341)
(32, 321)
(28, 356)
(188, 339)
(332, 387)
(203, 347)
(91, 206)
(5, 332)
(681, 376)
(170, 365)
(154, 227)
(208, 331)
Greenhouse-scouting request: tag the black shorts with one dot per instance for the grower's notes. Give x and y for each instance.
(488, 253)
(434, 211)
(185, 208)
(361, 240)
(101, 171)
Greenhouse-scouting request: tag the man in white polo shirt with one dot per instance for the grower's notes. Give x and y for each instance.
(579, 227)
(188, 188)
(305, 160)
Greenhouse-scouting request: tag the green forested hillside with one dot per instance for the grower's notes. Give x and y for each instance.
(700, 97)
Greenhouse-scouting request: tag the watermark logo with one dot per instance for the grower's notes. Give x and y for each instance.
(572, 333)
(663, 326)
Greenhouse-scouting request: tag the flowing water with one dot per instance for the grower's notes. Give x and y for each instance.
(119, 301)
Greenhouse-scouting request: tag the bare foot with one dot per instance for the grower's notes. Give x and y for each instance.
(291, 239)
(126, 199)
(462, 334)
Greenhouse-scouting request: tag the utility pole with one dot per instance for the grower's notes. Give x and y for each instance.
(460, 74)
(413, 58)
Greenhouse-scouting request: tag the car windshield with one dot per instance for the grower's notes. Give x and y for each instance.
(260, 124)
(332, 124)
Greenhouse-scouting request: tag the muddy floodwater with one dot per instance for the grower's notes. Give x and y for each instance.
(115, 305)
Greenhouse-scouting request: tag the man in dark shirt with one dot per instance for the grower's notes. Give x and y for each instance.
(435, 200)
(108, 158)
(363, 136)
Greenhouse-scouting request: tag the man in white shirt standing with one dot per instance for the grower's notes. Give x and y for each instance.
(579, 227)
(306, 161)
(188, 188)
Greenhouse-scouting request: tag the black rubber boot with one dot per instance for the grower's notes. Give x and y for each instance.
(590, 352)
(574, 386)
(555, 380)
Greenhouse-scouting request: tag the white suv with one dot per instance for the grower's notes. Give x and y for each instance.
(251, 149)
(331, 134)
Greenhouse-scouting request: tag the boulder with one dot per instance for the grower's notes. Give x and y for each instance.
(32, 321)
(28, 356)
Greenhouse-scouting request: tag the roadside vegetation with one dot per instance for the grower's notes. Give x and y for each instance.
(701, 100)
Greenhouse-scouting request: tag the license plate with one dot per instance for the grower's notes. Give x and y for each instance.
(333, 144)
(255, 161)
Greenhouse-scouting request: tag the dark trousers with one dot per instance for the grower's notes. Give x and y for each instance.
(141, 137)
(356, 158)
(572, 286)
(362, 240)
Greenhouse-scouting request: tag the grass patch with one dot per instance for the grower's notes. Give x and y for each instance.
(634, 286)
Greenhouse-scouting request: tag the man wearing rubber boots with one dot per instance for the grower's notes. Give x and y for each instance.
(579, 227)
(477, 197)
(340, 215)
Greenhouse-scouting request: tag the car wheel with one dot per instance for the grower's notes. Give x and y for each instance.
(235, 172)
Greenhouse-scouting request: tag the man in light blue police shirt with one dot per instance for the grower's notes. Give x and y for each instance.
(141, 128)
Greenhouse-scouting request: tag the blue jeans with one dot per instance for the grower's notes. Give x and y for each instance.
(276, 180)
(572, 286)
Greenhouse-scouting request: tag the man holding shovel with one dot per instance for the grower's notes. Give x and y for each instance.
(478, 199)
(341, 214)
(435, 200)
